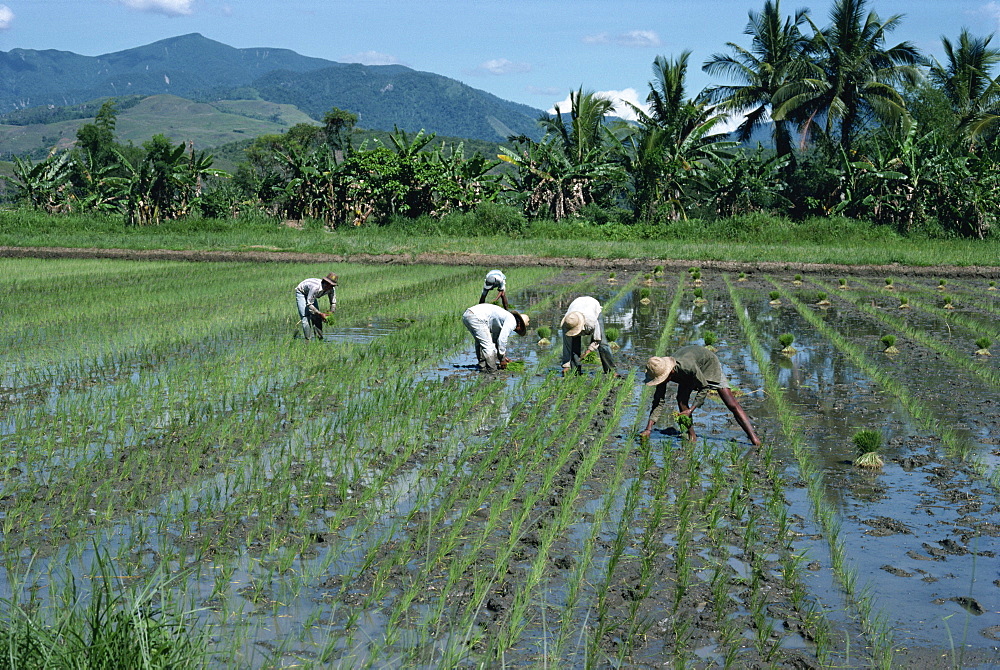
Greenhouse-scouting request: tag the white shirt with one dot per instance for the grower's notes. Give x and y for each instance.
(591, 310)
(495, 279)
(313, 289)
(500, 322)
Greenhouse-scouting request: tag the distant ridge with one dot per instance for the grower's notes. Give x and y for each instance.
(195, 67)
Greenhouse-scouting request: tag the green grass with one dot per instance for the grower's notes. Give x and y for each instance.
(819, 241)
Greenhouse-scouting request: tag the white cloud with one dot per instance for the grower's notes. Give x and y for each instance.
(633, 38)
(501, 66)
(638, 38)
(166, 7)
(6, 17)
(619, 98)
(370, 58)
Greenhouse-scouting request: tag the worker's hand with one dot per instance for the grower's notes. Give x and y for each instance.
(645, 433)
(503, 363)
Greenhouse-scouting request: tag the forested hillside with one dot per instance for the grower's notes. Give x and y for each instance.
(203, 70)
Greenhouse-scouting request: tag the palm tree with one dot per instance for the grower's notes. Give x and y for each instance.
(566, 170)
(965, 80)
(584, 138)
(676, 139)
(776, 45)
(852, 81)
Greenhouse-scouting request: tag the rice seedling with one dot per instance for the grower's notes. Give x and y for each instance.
(822, 299)
(797, 280)
(842, 284)
(612, 277)
(742, 277)
(948, 303)
(867, 442)
(942, 284)
(786, 340)
(984, 346)
(699, 296)
(544, 333)
(890, 344)
(888, 284)
(904, 302)
(775, 297)
(992, 285)
(658, 270)
(647, 278)
(644, 294)
(696, 277)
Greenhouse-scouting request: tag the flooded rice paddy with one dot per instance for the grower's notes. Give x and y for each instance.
(371, 500)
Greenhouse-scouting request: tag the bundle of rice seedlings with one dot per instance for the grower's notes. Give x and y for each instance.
(843, 284)
(888, 284)
(947, 302)
(742, 277)
(786, 340)
(868, 442)
(684, 422)
(984, 346)
(658, 270)
(993, 286)
(544, 332)
(797, 280)
(941, 283)
(775, 298)
(822, 299)
(890, 344)
(699, 297)
(644, 295)
(709, 338)
(611, 334)
(904, 302)
(611, 277)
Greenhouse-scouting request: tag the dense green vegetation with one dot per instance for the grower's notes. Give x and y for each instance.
(488, 231)
(861, 129)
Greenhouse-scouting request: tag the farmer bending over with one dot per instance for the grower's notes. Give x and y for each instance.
(495, 280)
(491, 326)
(692, 368)
(307, 295)
(583, 317)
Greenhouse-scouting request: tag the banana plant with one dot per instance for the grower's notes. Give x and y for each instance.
(44, 184)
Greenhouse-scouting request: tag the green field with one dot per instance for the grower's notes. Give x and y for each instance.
(175, 459)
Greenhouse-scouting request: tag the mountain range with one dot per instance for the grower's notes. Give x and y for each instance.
(204, 71)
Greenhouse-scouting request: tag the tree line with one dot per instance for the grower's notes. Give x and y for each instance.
(852, 125)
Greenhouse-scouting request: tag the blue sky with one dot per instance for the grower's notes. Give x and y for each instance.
(528, 51)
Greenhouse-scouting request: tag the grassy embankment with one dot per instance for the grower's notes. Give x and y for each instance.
(750, 239)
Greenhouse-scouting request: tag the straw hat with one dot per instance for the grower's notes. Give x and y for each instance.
(572, 324)
(658, 368)
(331, 279)
(522, 320)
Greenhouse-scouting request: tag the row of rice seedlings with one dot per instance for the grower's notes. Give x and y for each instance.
(459, 506)
(954, 443)
(517, 621)
(975, 326)
(879, 635)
